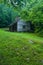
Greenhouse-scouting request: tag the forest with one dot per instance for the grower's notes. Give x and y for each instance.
(29, 10)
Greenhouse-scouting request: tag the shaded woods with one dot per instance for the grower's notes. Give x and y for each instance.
(29, 10)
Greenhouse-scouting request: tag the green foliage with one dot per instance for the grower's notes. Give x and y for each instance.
(39, 28)
(20, 49)
(33, 11)
(7, 15)
(29, 10)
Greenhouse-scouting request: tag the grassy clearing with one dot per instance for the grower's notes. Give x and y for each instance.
(20, 49)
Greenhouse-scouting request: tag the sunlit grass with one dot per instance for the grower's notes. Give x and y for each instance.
(20, 49)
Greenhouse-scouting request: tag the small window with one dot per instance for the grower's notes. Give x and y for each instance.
(24, 26)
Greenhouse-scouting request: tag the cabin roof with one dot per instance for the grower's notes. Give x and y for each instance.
(12, 23)
(16, 20)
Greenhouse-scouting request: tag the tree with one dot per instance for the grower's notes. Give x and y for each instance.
(29, 10)
(7, 15)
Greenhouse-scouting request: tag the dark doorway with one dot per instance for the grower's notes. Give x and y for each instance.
(14, 27)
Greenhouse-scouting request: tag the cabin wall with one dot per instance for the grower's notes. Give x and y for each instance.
(23, 26)
(20, 25)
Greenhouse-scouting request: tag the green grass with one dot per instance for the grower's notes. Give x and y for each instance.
(20, 49)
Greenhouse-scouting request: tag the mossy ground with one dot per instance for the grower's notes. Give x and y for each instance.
(20, 49)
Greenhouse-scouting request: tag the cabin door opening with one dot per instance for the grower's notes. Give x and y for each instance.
(14, 27)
